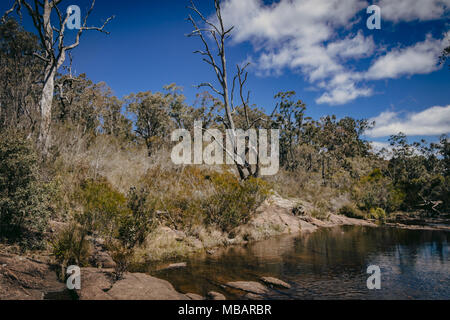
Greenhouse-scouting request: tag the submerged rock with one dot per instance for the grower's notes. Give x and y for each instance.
(173, 266)
(252, 296)
(248, 286)
(177, 265)
(275, 282)
(212, 295)
(194, 296)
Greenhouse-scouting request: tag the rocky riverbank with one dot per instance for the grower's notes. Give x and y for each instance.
(36, 278)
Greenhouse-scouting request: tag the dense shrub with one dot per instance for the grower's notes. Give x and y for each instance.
(139, 221)
(103, 207)
(376, 191)
(71, 247)
(193, 196)
(24, 199)
(377, 214)
(122, 256)
(233, 201)
(351, 211)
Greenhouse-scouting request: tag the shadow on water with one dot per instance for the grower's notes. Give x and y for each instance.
(65, 295)
(329, 264)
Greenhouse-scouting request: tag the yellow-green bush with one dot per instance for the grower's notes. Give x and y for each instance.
(102, 207)
(71, 247)
(191, 196)
(233, 201)
(377, 214)
(24, 197)
(139, 221)
(122, 256)
(376, 191)
(351, 211)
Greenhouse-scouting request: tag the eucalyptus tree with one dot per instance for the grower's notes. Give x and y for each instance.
(152, 119)
(52, 34)
(19, 75)
(214, 34)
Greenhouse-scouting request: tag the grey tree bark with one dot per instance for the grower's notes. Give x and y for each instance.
(54, 51)
(220, 34)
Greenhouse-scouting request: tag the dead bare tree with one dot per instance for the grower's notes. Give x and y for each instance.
(219, 34)
(54, 50)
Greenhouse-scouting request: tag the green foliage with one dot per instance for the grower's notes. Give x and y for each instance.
(376, 191)
(377, 214)
(103, 207)
(191, 197)
(153, 122)
(122, 256)
(71, 247)
(24, 199)
(351, 211)
(135, 226)
(233, 202)
(20, 72)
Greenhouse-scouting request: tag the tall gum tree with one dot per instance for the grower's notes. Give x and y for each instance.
(51, 33)
(213, 36)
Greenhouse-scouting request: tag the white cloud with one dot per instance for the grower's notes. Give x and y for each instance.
(343, 93)
(303, 36)
(430, 122)
(410, 10)
(421, 58)
(299, 35)
(352, 47)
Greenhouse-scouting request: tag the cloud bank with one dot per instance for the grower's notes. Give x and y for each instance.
(303, 36)
(430, 122)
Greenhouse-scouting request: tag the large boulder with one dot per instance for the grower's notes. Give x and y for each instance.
(95, 284)
(140, 286)
(98, 284)
(23, 278)
(274, 217)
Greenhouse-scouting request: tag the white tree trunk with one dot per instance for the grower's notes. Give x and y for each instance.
(46, 108)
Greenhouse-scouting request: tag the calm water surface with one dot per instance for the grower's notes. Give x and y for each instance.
(329, 264)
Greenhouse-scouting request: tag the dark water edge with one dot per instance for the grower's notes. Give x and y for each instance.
(328, 264)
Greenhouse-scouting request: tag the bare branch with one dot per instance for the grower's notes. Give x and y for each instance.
(16, 7)
(209, 85)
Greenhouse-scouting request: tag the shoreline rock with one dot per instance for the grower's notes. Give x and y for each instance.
(98, 284)
(275, 282)
(212, 295)
(248, 286)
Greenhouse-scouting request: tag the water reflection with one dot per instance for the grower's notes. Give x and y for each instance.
(330, 264)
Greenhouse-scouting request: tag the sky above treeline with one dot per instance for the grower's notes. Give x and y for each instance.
(322, 49)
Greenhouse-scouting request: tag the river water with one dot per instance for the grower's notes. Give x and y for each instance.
(328, 264)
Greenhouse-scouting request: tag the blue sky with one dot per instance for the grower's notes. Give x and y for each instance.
(322, 49)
